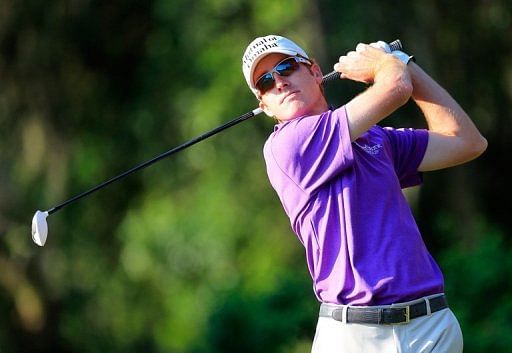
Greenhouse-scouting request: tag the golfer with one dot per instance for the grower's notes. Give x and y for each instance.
(339, 177)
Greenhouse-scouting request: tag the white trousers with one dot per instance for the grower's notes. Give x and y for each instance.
(438, 333)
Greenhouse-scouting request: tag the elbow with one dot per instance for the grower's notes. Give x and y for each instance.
(479, 146)
(475, 147)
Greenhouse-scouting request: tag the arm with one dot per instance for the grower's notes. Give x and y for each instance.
(391, 86)
(453, 138)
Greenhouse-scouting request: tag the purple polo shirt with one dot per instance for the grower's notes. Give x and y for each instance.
(346, 205)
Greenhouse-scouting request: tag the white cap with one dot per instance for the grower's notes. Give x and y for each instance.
(261, 47)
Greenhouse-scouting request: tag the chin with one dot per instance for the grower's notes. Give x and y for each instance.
(296, 111)
(288, 117)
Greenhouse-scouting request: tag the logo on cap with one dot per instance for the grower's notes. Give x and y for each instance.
(258, 47)
(262, 46)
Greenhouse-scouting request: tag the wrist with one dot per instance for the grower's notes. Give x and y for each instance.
(387, 66)
(393, 77)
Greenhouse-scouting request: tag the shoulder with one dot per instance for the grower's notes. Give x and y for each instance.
(308, 138)
(307, 125)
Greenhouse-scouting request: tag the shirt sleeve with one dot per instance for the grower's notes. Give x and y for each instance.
(309, 151)
(408, 147)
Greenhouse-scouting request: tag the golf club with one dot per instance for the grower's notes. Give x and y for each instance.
(39, 223)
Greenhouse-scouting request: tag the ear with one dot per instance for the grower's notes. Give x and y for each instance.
(317, 72)
(265, 109)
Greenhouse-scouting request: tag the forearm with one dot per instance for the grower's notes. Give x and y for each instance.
(390, 90)
(442, 113)
(453, 137)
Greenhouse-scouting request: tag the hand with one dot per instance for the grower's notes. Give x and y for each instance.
(365, 63)
(381, 45)
(405, 58)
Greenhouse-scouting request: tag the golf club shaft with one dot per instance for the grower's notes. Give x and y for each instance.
(395, 45)
(159, 157)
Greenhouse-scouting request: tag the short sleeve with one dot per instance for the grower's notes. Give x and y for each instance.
(408, 147)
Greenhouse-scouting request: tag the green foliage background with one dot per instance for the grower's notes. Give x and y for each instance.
(195, 254)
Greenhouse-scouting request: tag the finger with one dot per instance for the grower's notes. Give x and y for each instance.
(343, 59)
(347, 60)
(381, 45)
(337, 67)
(360, 47)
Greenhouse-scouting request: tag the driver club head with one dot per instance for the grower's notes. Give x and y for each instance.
(39, 227)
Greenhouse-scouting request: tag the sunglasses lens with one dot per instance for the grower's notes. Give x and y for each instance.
(287, 67)
(265, 83)
(284, 68)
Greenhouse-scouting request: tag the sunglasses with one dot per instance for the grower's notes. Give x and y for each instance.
(284, 68)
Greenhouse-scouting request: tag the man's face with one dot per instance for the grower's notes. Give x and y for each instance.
(292, 96)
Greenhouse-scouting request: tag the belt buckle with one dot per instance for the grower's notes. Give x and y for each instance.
(407, 315)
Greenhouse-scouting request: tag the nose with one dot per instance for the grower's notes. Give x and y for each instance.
(280, 81)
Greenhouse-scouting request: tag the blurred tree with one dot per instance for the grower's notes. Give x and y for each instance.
(195, 254)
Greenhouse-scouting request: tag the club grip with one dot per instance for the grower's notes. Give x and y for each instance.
(395, 45)
(334, 75)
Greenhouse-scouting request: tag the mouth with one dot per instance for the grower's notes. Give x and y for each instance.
(289, 95)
